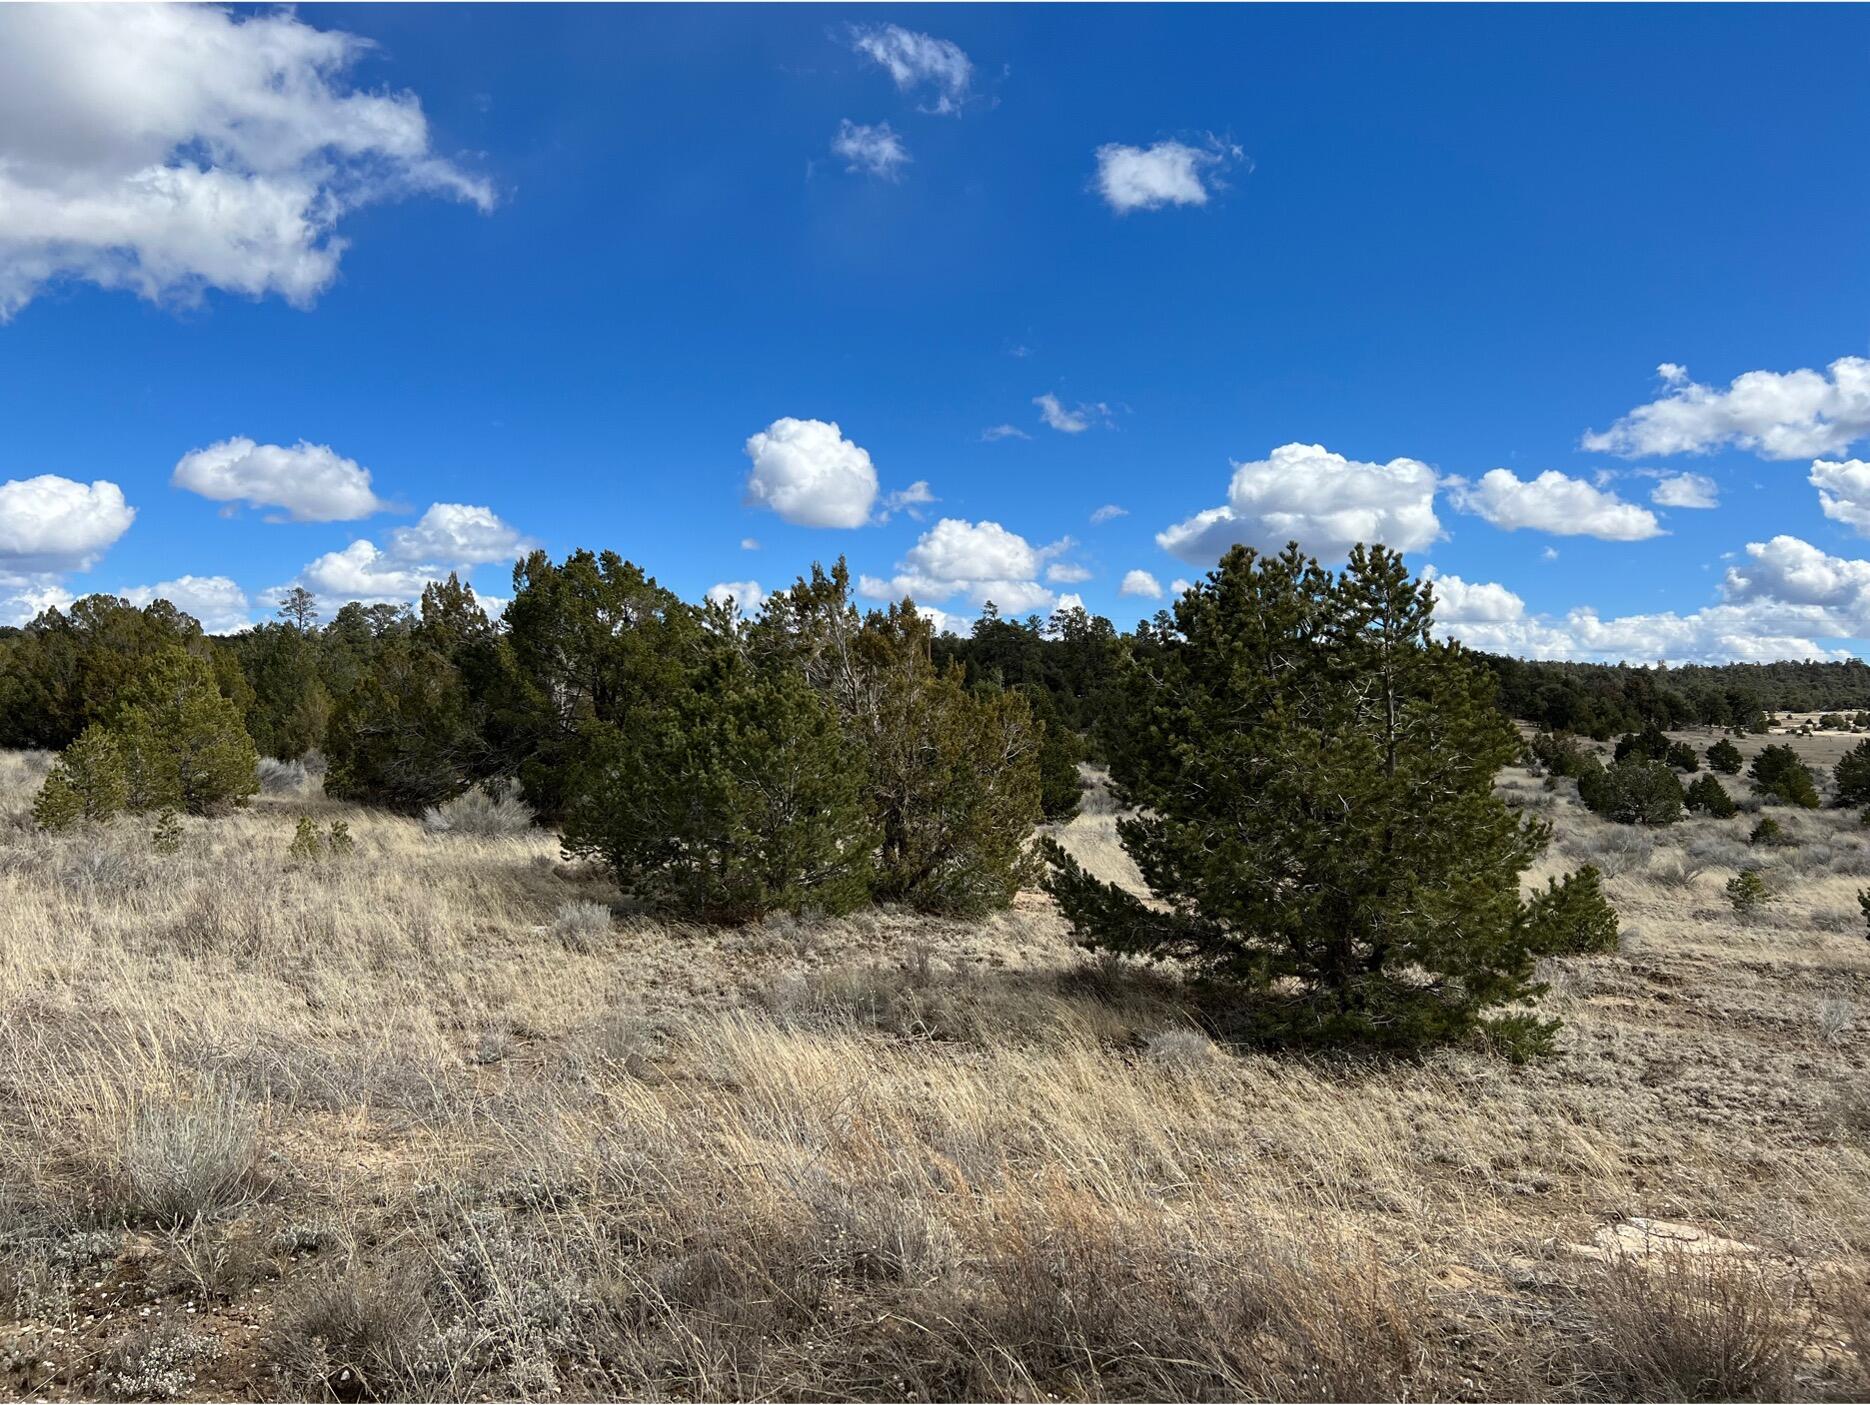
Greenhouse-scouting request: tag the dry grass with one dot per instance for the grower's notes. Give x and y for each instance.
(396, 1126)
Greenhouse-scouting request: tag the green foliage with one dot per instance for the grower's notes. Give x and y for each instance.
(1561, 754)
(1863, 906)
(1710, 797)
(412, 730)
(1682, 756)
(1633, 792)
(1747, 891)
(338, 841)
(954, 779)
(951, 773)
(1778, 772)
(1060, 749)
(306, 845)
(1314, 780)
(734, 797)
(1771, 833)
(88, 782)
(166, 837)
(183, 741)
(1725, 757)
(1852, 775)
(1572, 917)
(1650, 744)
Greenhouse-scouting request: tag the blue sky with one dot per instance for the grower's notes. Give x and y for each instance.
(607, 277)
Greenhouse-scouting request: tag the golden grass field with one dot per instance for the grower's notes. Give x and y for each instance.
(402, 1123)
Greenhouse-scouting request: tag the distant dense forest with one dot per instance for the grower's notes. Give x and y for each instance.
(290, 677)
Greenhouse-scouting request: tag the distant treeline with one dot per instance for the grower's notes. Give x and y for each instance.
(63, 671)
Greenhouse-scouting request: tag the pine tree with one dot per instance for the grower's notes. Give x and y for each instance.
(1682, 756)
(166, 837)
(183, 742)
(1778, 771)
(1725, 757)
(1710, 797)
(1633, 791)
(88, 782)
(1060, 786)
(1313, 777)
(1572, 917)
(1852, 775)
(734, 797)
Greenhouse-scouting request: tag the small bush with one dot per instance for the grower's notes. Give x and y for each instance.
(1836, 1018)
(1747, 891)
(1650, 744)
(281, 777)
(89, 782)
(1561, 754)
(176, 1162)
(580, 926)
(1852, 775)
(1710, 797)
(166, 837)
(1633, 791)
(156, 1361)
(1682, 756)
(360, 1333)
(1689, 1327)
(1771, 834)
(491, 809)
(1572, 917)
(306, 846)
(338, 841)
(1725, 757)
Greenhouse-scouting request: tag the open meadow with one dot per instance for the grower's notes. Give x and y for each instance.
(428, 1119)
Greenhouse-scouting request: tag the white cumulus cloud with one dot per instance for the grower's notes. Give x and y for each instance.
(1166, 173)
(746, 596)
(1777, 415)
(220, 605)
(1067, 573)
(50, 524)
(980, 560)
(870, 150)
(1324, 501)
(363, 572)
(1140, 582)
(810, 474)
(1553, 503)
(458, 534)
(166, 149)
(917, 61)
(311, 482)
(1844, 491)
(1695, 490)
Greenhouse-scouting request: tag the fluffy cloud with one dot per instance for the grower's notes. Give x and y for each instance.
(1167, 173)
(458, 534)
(1553, 503)
(746, 596)
(449, 537)
(25, 606)
(1695, 490)
(1140, 583)
(362, 572)
(981, 560)
(871, 151)
(810, 474)
(918, 61)
(220, 605)
(312, 482)
(1844, 491)
(1782, 602)
(1777, 415)
(1067, 573)
(171, 148)
(1070, 419)
(1324, 501)
(50, 524)
(1179, 586)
